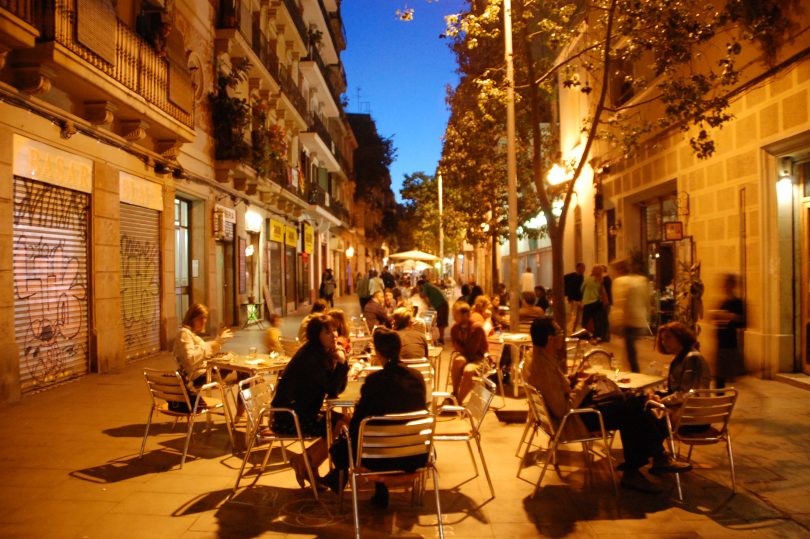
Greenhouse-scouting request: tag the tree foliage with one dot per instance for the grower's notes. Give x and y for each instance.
(643, 66)
(419, 224)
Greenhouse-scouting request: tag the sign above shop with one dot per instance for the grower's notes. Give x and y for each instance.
(291, 236)
(140, 192)
(224, 223)
(45, 163)
(309, 238)
(276, 231)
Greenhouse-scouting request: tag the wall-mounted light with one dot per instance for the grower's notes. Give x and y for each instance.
(784, 184)
(614, 229)
(558, 174)
(253, 221)
(249, 250)
(350, 252)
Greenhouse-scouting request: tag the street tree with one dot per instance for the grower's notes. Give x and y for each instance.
(419, 226)
(644, 65)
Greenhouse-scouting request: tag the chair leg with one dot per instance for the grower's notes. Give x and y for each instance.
(355, 508)
(472, 458)
(438, 501)
(552, 449)
(523, 436)
(610, 461)
(146, 433)
(188, 439)
(308, 466)
(731, 463)
(249, 448)
(484, 465)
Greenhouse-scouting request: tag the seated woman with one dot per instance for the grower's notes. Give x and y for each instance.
(395, 389)
(481, 314)
(642, 437)
(272, 337)
(688, 370)
(192, 352)
(470, 342)
(343, 339)
(314, 373)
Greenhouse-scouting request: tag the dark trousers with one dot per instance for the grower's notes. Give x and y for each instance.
(630, 337)
(592, 314)
(640, 432)
(363, 302)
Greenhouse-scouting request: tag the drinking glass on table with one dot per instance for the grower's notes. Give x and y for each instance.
(252, 351)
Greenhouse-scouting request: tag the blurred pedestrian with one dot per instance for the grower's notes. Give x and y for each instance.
(527, 280)
(631, 302)
(363, 292)
(272, 337)
(328, 285)
(728, 318)
(593, 302)
(573, 293)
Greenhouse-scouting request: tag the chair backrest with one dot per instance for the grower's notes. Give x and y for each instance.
(480, 398)
(166, 386)
(256, 393)
(425, 368)
(538, 411)
(395, 435)
(707, 407)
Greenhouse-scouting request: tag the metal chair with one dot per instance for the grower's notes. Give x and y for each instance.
(466, 425)
(557, 434)
(260, 412)
(167, 388)
(394, 436)
(702, 419)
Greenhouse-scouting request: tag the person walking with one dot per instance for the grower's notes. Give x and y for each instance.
(363, 292)
(592, 302)
(436, 299)
(631, 303)
(573, 293)
(328, 285)
(728, 318)
(527, 280)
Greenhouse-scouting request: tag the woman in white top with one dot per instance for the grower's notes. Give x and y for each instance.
(191, 351)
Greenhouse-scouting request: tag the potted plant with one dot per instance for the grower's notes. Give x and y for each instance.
(268, 143)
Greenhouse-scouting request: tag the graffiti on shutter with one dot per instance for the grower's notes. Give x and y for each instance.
(50, 282)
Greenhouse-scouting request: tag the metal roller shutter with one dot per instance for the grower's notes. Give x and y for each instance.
(50, 282)
(140, 280)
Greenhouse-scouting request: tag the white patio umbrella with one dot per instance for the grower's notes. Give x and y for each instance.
(414, 255)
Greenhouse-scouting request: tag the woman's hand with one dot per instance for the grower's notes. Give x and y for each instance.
(225, 335)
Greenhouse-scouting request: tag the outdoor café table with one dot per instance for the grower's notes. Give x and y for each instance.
(520, 343)
(632, 381)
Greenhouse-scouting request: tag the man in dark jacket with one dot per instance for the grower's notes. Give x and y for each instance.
(395, 389)
(573, 293)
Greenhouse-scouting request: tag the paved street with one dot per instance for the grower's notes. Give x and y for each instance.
(71, 469)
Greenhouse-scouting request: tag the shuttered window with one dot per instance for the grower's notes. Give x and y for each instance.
(50, 282)
(140, 280)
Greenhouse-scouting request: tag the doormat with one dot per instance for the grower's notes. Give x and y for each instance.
(512, 416)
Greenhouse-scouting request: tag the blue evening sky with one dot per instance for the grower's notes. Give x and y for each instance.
(402, 69)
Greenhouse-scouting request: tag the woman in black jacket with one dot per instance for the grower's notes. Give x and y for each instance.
(315, 372)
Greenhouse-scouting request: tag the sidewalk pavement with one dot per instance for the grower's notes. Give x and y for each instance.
(71, 469)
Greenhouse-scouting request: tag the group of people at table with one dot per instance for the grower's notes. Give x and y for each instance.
(320, 368)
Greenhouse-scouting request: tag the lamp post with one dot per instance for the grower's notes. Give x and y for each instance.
(511, 163)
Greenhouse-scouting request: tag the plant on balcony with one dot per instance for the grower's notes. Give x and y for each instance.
(269, 143)
(230, 114)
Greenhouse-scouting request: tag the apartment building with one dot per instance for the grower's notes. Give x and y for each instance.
(745, 210)
(158, 153)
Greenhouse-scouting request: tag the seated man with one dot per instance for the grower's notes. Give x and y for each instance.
(528, 308)
(470, 341)
(395, 389)
(374, 311)
(641, 434)
(414, 342)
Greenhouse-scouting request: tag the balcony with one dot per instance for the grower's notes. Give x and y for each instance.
(108, 72)
(316, 72)
(292, 93)
(319, 143)
(16, 26)
(298, 21)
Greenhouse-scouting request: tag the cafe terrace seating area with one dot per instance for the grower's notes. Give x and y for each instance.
(73, 469)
